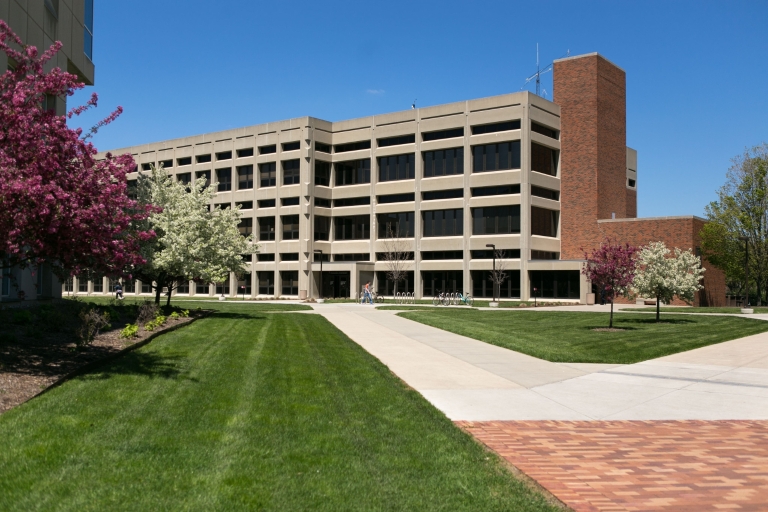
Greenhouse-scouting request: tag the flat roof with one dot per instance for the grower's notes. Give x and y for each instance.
(590, 55)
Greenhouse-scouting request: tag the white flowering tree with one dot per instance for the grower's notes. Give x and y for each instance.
(192, 241)
(665, 276)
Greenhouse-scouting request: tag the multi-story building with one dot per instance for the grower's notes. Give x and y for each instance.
(541, 180)
(40, 23)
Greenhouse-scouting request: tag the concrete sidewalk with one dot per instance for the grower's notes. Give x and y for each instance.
(474, 381)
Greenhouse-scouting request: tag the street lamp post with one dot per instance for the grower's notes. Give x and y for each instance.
(493, 276)
(746, 270)
(321, 271)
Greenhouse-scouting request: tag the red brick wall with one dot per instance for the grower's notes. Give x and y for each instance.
(591, 93)
(681, 232)
(631, 203)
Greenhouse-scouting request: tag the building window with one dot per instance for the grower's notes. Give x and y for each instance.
(245, 226)
(132, 189)
(291, 172)
(166, 164)
(396, 198)
(352, 146)
(444, 162)
(224, 155)
(325, 148)
(496, 220)
(322, 228)
(88, 30)
(266, 203)
(290, 227)
(322, 203)
(544, 222)
(289, 256)
(482, 286)
(203, 159)
(545, 255)
(247, 257)
(396, 225)
(290, 279)
(355, 227)
(443, 134)
(82, 285)
(245, 205)
(289, 201)
(443, 223)
(222, 288)
(545, 193)
(187, 160)
(496, 127)
(358, 256)
(450, 281)
(548, 132)
(98, 285)
(268, 150)
(146, 167)
(631, 183)
(265, 257)
(396, 141)
(244, 284)
(352, 201)
(385, 286)
(442, 255)
(205, 176)
(397, 167)
(69, 285)
(185, 178)
(291, 146)
(353, 172)
(268, 174)
(266, 283)
(435, 195)
(224, 177)
(244, 177)
(543, 160)
(555, 284)
(266, 228)
(496, 157)
(202, 289)
(146, 287)
(498, 190)
(222, 206)
(129, 285)
(183, 288)
(242, 153)
(317, 257)
(322, 173)
(507, 254)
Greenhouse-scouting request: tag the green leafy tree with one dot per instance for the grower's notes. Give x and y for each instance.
(741, 210)
(663, 276)
(192, 241)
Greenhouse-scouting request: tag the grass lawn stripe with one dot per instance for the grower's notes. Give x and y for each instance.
(243, 411)
(569, 337)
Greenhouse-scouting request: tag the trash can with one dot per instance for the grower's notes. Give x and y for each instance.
(590, 299)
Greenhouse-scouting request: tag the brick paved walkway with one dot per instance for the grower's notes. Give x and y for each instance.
(639, 465)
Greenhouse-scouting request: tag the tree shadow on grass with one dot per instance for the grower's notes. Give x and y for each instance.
(652, 321)
(143, 363)
(237, 316)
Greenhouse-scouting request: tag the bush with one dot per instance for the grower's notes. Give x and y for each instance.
(147, 312)
(157, 322)
(22, 317)
(174, 315)
(130, 331)
(91, 323)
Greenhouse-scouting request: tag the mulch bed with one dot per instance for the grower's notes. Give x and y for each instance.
(36, 355)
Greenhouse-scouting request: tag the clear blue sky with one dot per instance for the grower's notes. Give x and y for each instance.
(697, 72)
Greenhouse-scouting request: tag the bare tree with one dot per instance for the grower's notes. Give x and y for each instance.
(499, 273)
(396, 256)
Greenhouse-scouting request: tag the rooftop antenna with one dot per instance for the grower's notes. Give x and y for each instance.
(413, 105)
(539, 72)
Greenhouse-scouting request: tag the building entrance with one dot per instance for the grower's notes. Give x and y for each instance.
(336, 284)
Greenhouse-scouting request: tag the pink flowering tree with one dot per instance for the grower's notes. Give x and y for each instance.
(59, 204)
(611, 268)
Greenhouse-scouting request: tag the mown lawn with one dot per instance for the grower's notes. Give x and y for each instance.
(673, 309)
(246, 411)
(570, 336)
(229, 305)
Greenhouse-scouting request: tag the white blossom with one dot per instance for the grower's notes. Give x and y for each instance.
(663, 276)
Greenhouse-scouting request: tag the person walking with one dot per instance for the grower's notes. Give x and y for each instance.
(367, 293)
(119, 291)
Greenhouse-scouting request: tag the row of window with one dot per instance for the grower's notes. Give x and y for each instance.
(490, 220)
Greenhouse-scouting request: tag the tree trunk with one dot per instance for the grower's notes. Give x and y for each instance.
(170, 290)
(610, 323)
(658, 302)
(158, 292)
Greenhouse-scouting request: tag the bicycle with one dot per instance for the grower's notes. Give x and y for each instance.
(440, 298)
(464, 299)
(377, 298)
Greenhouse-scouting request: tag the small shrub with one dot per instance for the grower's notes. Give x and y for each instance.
(154, 324)
(22, 317)
(184, 313)
(174, 315)
(91, 323)
(130, 331)
(147, 312)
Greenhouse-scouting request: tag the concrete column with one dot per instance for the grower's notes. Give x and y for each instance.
(418, 232)
(525, 199)
(466, 274)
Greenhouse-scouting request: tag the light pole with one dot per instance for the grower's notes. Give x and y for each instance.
(321, 271)
(746, 270)
(493, 276)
